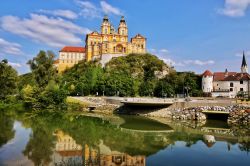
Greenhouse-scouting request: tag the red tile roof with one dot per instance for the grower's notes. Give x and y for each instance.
(73, 49)
(238, 77)
(70, 153)
(207, 73)
(220, 76)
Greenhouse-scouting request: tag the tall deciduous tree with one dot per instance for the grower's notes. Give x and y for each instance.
(45, 92)
(8, 80)
(42, 68)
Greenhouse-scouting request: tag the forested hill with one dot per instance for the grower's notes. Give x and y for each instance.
(144, 66)
(132, 75)
(123, 76)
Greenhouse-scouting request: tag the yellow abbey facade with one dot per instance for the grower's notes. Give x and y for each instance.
(113, 42)
(103, 45)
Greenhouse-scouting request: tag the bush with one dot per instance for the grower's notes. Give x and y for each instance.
(52, 96)
(11, 99)
(29, 95)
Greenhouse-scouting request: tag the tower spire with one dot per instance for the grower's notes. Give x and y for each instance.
(244, 68)
(244, 63)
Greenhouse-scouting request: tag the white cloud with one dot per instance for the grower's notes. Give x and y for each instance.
(164, 51)
(165, 55)
(55, 32)
(198, 62)
(188, 62)
(171, 62)
(152, 50)
(15, 65)
(9, 48)
(108, 9)
(60, 13)
(88, 9)
(235, 8)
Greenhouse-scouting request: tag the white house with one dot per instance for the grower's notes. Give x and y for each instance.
(227, 84)
(68, 57)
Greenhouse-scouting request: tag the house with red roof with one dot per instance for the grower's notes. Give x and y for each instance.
(227, 84)
(68, 57)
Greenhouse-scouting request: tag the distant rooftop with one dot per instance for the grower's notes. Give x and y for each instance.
(73, 49)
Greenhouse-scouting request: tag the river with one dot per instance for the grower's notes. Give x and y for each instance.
(98, 140)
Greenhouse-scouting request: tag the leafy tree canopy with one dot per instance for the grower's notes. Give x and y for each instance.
(8, 80)
(42, 68)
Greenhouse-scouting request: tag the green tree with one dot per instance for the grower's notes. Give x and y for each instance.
(24, 80)
(84, 76)
(6, 126)
(40, 147)
(147, 88)
(191, 83)
(29, 95)
(42, 68)
(132, 75)
(45, 92)
(164, 89)
(52, 96)
(8, 80)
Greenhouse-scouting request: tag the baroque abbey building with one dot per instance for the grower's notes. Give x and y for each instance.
(112, 41)
(103, 45)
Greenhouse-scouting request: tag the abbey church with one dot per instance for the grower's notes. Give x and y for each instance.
(103, 45)
(112, 41)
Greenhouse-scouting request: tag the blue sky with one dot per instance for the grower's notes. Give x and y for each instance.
(192, 35)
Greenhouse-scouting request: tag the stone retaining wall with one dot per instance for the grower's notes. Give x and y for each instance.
(237, 114)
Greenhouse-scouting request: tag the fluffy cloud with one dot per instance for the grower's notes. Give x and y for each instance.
(90, 10)
(164, 51)
(9, 48)
(55, 32)
(108, 9)
(15, 65)
(198, 62)
(165, 55)
(60, 13)
(235, 8)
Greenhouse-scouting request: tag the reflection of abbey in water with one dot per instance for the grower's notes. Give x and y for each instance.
(104, 156)
(68, 152)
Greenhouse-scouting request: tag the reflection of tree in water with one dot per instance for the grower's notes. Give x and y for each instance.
(6, 128)
(88, 130)
(41, 143)
(245, 146)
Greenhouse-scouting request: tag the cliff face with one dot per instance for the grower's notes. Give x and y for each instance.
(139, 66)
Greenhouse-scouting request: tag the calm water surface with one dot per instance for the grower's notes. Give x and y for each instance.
(94, 140)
